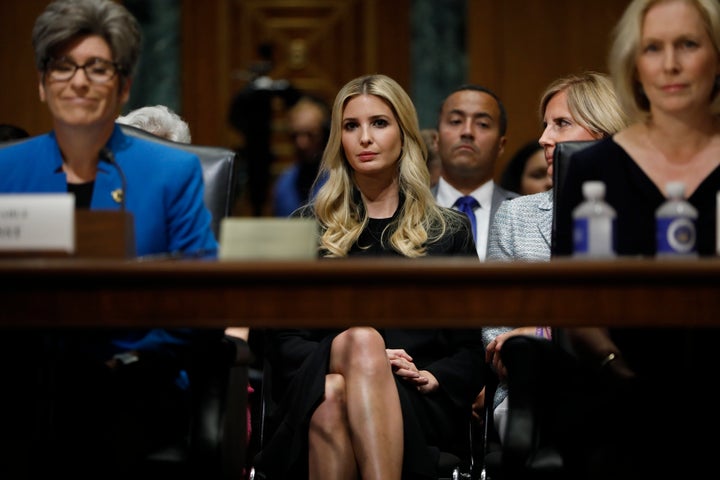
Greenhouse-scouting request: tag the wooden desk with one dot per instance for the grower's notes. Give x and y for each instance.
(380, 292)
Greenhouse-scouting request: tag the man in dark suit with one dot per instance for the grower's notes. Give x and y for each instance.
(471, 136)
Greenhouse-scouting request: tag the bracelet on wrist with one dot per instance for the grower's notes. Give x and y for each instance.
(543, 332)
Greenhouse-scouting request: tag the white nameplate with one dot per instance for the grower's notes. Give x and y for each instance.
(37, 222)
(252, 238)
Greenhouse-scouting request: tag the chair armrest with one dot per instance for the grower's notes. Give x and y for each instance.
(218, 437)
(533, 365)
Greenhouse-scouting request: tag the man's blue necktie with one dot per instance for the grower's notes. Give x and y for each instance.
(467, 205)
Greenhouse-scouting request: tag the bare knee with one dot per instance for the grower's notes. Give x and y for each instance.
(358, 347)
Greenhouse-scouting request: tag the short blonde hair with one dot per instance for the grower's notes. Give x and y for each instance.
(626, 47)
(591, 100)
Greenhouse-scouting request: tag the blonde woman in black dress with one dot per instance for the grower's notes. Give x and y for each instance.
(361, 402)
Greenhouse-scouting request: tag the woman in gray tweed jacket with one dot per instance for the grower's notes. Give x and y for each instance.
(573, 108)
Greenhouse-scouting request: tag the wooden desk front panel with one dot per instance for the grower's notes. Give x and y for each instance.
(383, 293)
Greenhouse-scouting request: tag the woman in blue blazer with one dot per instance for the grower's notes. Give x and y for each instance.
(111, 396)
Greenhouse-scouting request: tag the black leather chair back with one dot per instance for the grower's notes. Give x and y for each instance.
(220, 169)
(561, 160)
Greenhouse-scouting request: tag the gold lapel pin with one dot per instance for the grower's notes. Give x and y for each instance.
(117, 195)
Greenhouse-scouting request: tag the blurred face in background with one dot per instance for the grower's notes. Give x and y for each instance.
(434, 163)
(677, 65)
(305, 126)
(535, 178)
(469, 139)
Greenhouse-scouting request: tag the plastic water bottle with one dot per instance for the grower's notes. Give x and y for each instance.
(594, 224)
(675, 222)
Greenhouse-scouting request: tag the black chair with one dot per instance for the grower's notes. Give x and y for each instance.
(217, 440)
(486, 440)
(528, 452)
(561, 160)
(220, 172)
(215, 447)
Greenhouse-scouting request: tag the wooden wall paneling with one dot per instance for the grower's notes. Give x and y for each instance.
(341, 39)
(318, 46)
(517, 47)
(535, 56)
(205, 70)
(391, 40)
(19, 100)
(485, 59)
(321, 44)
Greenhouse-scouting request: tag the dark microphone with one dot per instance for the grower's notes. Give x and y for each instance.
(119, 194)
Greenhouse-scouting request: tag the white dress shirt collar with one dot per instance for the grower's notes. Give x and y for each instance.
(447, 195)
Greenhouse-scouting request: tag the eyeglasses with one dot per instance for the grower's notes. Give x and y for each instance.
(97, 70)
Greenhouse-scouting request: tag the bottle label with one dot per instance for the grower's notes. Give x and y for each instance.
(593, 237)
(581, 231)
(675, 236)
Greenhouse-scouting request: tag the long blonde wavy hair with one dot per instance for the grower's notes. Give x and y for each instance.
(338, 205)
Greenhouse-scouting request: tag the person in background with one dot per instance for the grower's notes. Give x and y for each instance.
(112, 396)
(12, 132)
(671, 94)
(361, 402)
(665, 63)
(526, 172)
(572, 108)
(159, 120)
(308, 122)
(434, 164)
(471, 137)
(251, 116)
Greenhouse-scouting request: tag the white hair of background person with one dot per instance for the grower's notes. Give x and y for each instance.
(158, 120)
